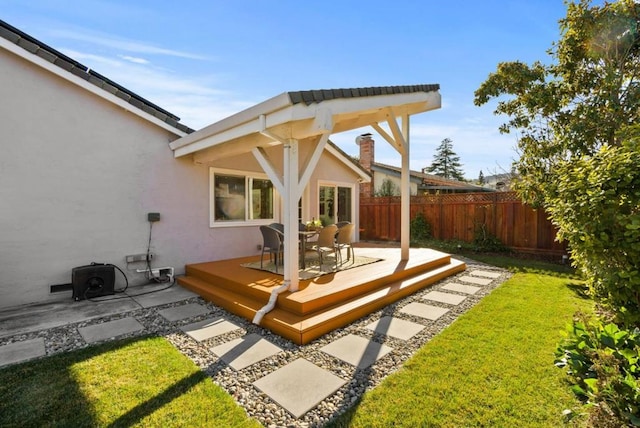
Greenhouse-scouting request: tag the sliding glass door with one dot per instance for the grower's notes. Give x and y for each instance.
(335, 203)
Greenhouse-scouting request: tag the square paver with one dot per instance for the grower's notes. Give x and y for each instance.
(22, 351)
(299, 386)
(396, 327)
(356, 350)
(486, 274)
(424, 311)
(438, 296)
(245, 351)
(209, 328)
(462, 288)
(474, 280)
(109, 330)
(183, 312)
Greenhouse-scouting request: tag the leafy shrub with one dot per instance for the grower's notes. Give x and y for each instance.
(603, 363)
(484, 241)
(597, 211)
(420, 228)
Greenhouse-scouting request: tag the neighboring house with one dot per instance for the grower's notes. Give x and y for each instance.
(85, 161)
(499, 182)
(420, 182)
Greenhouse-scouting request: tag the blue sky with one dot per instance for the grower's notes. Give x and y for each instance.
(205, 60)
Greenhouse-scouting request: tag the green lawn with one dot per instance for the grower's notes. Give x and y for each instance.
(492, 368)
(142, 382)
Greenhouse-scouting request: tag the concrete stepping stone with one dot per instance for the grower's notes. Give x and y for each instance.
(183, 312)
(356, 350)
(396, 327)
(424, 311)
(474, 280)
(462, 288)
(245, 351)
(438, 296)
(485, 273)
(299, 386)
(209, 328)
(22, 351)
(109, 330)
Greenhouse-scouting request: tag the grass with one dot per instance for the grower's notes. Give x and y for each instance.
(492, 367)
(136, 382)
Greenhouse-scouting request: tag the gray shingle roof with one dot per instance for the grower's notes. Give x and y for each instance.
(319, 95)
(53, 56)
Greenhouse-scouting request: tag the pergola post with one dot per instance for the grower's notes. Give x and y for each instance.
(400, 141)
(405, 201)
(289, 218)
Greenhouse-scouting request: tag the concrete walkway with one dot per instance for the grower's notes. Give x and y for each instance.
(298, 385)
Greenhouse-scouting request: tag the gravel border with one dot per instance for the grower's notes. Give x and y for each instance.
(239, 383)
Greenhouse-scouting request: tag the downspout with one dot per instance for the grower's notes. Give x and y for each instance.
(287, 282)
(271, 303)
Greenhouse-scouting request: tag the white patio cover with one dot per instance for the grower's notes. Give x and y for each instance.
(312, 116)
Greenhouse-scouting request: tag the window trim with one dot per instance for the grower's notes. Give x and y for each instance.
(337, 184)
(240, 223)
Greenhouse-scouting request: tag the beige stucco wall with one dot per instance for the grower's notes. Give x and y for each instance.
(379, 177)
(78, 176)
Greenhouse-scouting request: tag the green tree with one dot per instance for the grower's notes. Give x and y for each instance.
(579, 158)
(578, 103)
(481, 178)
(568, 112)
(446, 163)
(387, 188)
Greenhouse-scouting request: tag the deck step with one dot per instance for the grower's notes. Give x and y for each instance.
(304, 328)
(313, 295)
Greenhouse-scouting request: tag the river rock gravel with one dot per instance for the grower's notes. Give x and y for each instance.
(239, 384)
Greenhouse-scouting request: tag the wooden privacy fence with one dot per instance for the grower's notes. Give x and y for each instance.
(460, 216)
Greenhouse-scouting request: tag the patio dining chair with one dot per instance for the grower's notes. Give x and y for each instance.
(272, 244)
(277, 226)
(326, 243)
(344, 239)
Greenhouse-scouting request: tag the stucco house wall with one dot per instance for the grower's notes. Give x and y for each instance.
(79, 174)
(379, 178)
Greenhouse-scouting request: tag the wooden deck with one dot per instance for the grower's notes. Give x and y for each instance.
(323, 303)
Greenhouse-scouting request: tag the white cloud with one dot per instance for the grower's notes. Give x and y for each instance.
(195, 99)
(134, 59)
(109, 41)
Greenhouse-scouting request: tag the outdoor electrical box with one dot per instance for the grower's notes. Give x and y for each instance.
(152, 217)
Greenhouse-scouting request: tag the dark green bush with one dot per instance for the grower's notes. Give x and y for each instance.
(597, 211)
(420, 228)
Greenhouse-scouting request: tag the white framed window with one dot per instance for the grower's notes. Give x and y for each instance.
(336, 202)
(240, 198)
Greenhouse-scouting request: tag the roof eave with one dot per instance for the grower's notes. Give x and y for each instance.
(280, 116)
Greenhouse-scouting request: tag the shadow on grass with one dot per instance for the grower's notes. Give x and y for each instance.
(48, 392)
(146, 408)
(44, 392)
(580, 289)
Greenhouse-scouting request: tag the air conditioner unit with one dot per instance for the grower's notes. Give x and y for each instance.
(93, 280)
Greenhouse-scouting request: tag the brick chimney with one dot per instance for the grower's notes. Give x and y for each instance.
(367, 158)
